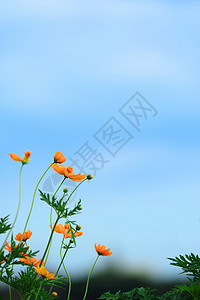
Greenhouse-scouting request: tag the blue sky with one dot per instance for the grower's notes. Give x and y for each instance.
(66, 68)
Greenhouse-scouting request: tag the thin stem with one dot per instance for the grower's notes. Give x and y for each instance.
(75, 189)
(37, 277)
(10, 291)
(39, 290)
(62, 258)
(51, 217)
(54, 196)
(62, 263)
(69, 290)
(49, 241)
(10, 296)
(19, 203)
(86, 289)
(34, 200)
(59, 186)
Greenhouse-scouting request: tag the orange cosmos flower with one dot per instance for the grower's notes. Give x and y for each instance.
(27, 235)
(31, 260)
(8, 247)
(69, 235)
(68, 172)
(59, 158)
(101, 250)
(25, 159)
(44, 273)
(64, 230)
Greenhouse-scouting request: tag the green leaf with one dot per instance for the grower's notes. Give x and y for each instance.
(4, 226)
(190, 265)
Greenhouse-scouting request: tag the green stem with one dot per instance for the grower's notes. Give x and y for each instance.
(69, 291)
(62, 258)
(54, 196)
(37, 277)
(62, 263)
(51, 218)
(34, 200)
(19, 203)
(10, 296)
(59, 186)
(39, 290)
(76, 189)
(49, 241)
(86, 289)
(10, 291)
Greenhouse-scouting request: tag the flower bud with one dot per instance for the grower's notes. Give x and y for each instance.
(89, 177)
(79, 207)
(78, 227)
(54, 294)
(71, 241)
(65, 190)
(26, 160)
(26, 157)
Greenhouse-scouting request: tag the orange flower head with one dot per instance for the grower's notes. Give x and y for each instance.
(59, 158)
(69, 235)
(25, 159)
(59, 228)
(31, 260)
(8, 247)
(68, 172)
(27, 235)
(101, 250)
(44, 273)
(27, 154)
(50, 276)
(65, 231)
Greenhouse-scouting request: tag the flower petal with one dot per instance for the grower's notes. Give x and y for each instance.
(15, 157)
(59, 169)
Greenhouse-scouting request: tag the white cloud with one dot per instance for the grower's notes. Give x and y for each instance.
(63, 8)
(58, 9)
(149, 63)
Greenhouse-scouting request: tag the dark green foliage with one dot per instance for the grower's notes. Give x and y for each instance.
(43, 295)
(174, 294)
(76, 209)
(190, 264)
(179, 292)
(4, 226)
(17, 251)
(28, 283)
(186, 292)
(25, 281)
(137, 293)
(59, 205)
